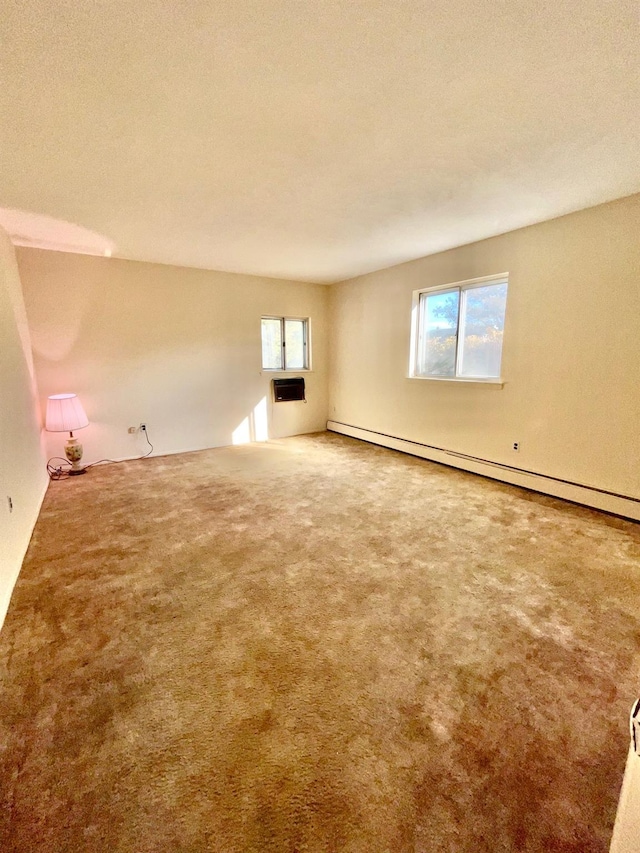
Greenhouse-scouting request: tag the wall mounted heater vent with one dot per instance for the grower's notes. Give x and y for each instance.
(285, 390)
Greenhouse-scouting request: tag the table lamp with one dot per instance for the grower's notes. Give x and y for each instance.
(64, 414)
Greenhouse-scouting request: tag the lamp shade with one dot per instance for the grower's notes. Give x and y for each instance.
(65, 413)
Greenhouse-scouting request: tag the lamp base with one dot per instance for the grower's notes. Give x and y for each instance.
(73, 452)
(74, 471)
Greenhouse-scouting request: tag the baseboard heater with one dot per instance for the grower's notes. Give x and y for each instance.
(286, 390)
(627, 506)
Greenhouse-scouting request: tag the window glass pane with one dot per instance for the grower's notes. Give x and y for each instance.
(294, 344)
(271, 343)
(482, 326)
(438, 330)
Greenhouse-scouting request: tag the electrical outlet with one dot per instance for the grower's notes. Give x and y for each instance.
(516, 446)
(143, 427)
(132, 430)
(10, 502)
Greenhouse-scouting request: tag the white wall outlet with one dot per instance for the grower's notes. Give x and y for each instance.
(10, 502)
(516, 446)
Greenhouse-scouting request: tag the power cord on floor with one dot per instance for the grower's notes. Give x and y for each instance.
(61, 472)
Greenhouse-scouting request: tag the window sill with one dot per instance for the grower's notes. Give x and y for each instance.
(494, 383)
(272, 371)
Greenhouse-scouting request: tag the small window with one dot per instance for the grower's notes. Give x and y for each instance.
(457, 330)
(285, 343)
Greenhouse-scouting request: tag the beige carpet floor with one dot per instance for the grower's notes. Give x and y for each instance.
(315, 645)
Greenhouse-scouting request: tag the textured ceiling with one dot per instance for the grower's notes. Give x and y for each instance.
(311, 139)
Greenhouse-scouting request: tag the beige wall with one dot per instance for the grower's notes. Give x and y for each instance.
(22, 466)
(178, 348)
(571, 356)
(626, 832)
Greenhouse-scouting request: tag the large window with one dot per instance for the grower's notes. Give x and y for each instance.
(457, 330)
(285, 343)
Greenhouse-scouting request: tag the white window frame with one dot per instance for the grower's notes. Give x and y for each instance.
(416, 330)
(306, 321)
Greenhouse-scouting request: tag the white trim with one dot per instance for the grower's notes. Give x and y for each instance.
(577, 493)
(460, 331)
(457, 380)
(468, 283)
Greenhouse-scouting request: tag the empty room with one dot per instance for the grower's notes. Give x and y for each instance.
(319, 412)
